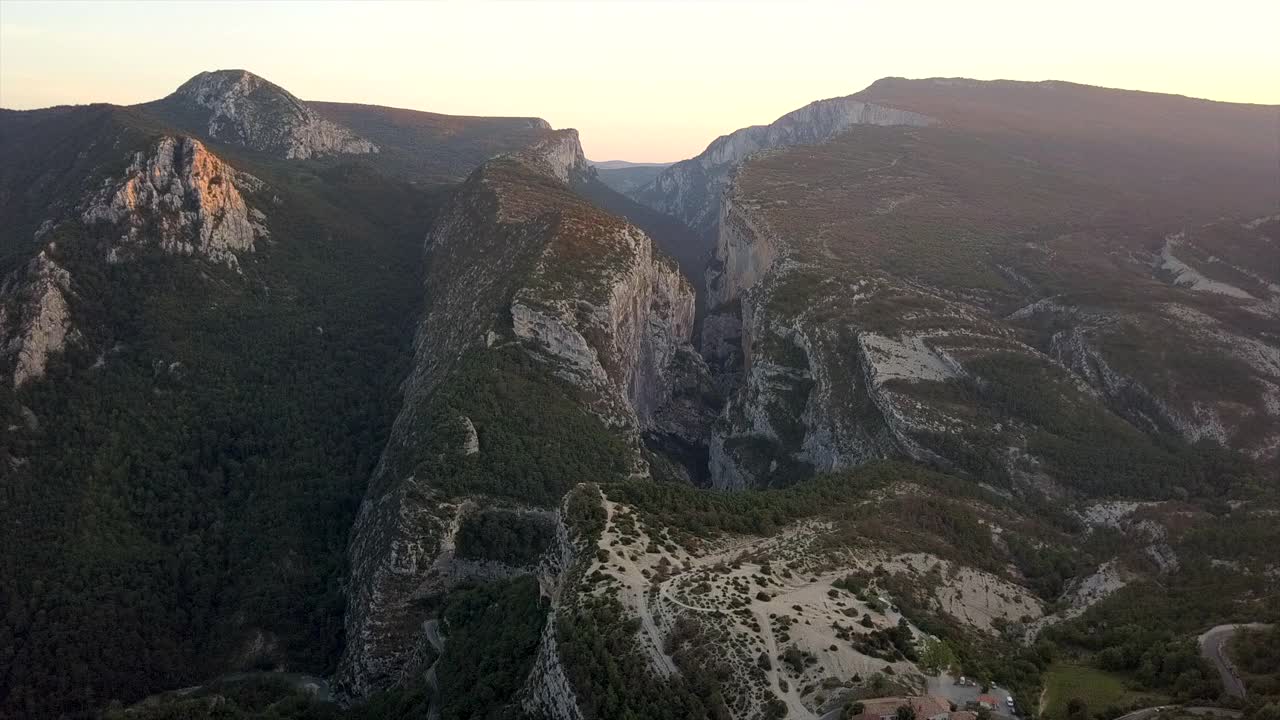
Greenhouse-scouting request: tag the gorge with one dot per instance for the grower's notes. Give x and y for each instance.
(942, 375)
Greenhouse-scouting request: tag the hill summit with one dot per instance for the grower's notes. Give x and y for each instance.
(238, 107)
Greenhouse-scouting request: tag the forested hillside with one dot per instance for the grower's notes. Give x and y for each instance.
(180, 485)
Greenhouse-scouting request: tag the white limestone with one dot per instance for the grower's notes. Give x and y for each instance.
(180, 198)
(245, 109)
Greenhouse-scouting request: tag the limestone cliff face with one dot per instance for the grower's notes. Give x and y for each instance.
(514, 259)
(622, 345)
(1249, 427)
(547, 691)
(35, 319)
(691, 190)
(559, 155)
(180, 198)
(804, 396)
(829, 383)
(241, 108)
(745, 250)
(817, 388)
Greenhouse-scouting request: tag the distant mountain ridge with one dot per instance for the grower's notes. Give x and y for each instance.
(690, 189)
(243, 110)
(431, 148)
(627, 177)
(623, 164)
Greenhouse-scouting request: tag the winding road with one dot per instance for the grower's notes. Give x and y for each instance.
(1205, 711)
(432, 630)
(1213, 647)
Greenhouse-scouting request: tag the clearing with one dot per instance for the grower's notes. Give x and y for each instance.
(1098, 688)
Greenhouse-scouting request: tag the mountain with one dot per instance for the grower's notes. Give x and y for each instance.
(161, 524)
(175, 196)
(200, 342)
(1031, 234)
(673, 237)
(894, 387)
(622, 164)
(240, 108)
(690, 190)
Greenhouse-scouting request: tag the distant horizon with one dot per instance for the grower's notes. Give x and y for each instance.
(584, 140)
(699, 72)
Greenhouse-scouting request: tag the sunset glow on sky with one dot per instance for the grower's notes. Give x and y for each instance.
(641, 81)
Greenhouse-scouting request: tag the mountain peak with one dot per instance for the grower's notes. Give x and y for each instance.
(225, 73)
(212, 83)
(239, 107)
(222, 89)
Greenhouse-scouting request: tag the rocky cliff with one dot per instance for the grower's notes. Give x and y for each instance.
(691, 190)
(744, 252)
(516, 262)
(547, 690)
(814, 393)
(180, 198)
(35, 319)
(640, 326)
(240, 108)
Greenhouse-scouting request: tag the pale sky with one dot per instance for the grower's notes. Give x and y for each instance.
(652, 81)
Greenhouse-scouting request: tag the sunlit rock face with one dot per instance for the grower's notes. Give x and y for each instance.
(35, 319)
(182, 199)
(175, 197)
(245, 109)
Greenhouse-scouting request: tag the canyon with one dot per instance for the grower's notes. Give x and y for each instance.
(928, 376)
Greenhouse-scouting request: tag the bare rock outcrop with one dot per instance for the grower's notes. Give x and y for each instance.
(470, 441)
(645, 318)
(176, 197)
(182, 199)
(245, 109)
(558, 155)
(744, 252)
(35, 319)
